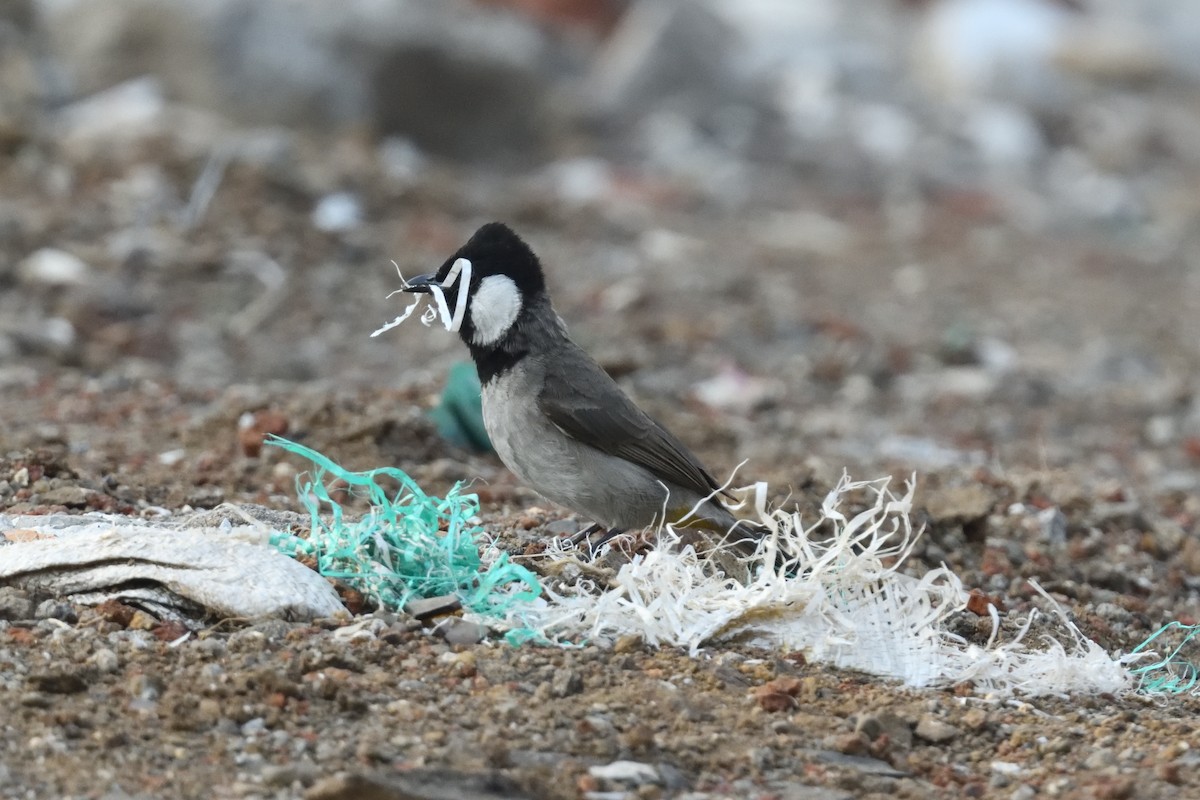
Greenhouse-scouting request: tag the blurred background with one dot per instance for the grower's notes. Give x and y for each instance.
(954, 233)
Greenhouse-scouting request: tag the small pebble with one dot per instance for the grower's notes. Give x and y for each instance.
(459, 631)
(934, 730)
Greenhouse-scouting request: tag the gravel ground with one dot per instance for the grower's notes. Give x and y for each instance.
(1039, 381)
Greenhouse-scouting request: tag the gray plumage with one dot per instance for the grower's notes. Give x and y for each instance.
(583, 444)
(555, 417)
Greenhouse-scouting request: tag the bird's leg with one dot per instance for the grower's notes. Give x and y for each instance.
(583, 535)
(594, 547)
(607, 537)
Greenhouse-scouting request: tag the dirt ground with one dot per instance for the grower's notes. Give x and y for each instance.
(1038, 380)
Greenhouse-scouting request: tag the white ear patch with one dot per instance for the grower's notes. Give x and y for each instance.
(495, 306)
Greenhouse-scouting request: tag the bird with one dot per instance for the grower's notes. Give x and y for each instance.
(555, 417)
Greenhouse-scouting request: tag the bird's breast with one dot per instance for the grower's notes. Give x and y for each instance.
(528, 443)
(602, 487)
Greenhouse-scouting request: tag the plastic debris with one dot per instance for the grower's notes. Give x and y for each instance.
(734, 390)
(175, 573)
(409, 544)
(119, 114)
(832, 589)
(459, 416)
(1172, 673)
(52, 267)
(633, 773)
(337, 213)
(440, 311)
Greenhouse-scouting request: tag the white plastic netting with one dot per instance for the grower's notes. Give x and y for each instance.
(833, 590)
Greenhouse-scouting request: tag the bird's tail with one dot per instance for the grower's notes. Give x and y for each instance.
(746, 534)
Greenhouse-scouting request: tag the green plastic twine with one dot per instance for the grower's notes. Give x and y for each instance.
(1172, 674)
(408, 544)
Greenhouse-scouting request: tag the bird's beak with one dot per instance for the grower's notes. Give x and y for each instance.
(421, 284)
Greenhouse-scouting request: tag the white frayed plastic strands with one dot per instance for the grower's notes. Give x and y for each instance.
(839, 598)
(407, 313)
(1080, 666)
(460, 269)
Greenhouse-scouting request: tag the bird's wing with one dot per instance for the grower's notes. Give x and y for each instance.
(620, 428)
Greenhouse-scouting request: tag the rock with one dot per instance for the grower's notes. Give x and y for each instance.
(565, 683)
(853, 744)
(578, 182)
(968, 49)
(337, 212)
(205, 496)
(967, 382)
(1112, 49)
(804, 233)
(934, 730)
(628, 643)
(59, 682)
(922, 452)
(52, 267)
(737, 391)
(56, 609)
(626, 773)
(417, 784)
(864, 764)
(1004, 136)
(35, 700)
(424, 608)
(105, 661)
(672, 777)
(976, 719)
(269, 629)
(1053, 524)
(53, 336)
(725, 669)
(898, 731)
(70, 496)
(1123, 515)
(19, 84)
(402, 161)
(118, 115)
(966, 506)
(145, 689)
(15, 604)
(254, 427)
(660, 52)
(253, 727)
(361, 630)
(459, 631)
(284, 775)
(779, 694)
(388, 66)
(141, 621)
(802, 792)
(491, 63)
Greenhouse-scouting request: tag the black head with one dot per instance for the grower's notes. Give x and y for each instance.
(505, 277)
(495, 249)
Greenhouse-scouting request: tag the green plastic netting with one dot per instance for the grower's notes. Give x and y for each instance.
(1173, 673)
(413, 544)
(409, 544)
